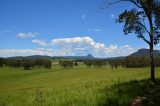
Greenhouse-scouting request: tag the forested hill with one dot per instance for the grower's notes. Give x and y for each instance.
(145, 53)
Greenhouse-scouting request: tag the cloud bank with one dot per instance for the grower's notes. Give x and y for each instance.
(71, 46)
(86, 45)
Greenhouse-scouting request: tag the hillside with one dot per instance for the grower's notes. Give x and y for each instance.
(145, 53)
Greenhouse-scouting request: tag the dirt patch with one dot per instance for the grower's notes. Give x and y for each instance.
(151, 98)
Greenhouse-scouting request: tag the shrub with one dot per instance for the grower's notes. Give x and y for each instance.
(115, 63)
(27, 64)
(1, 62)
(66, 64)
(95, 63)
(47, 64)
(75, 63)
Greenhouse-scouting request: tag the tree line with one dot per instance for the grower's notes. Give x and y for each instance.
(95, 63)
(127, 62)
(133, 62)
(87, 63)
(66, 64)
(27, 64)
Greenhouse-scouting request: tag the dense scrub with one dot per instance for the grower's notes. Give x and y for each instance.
(133, 62)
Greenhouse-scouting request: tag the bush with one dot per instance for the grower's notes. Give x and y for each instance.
(75, 63)
(95, 63)
(88, 63)
(115, 63)
(1, 62)
(47, 64)
(27, 64)
(66, 64)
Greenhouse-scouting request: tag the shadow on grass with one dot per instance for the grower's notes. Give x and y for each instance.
(124, 94)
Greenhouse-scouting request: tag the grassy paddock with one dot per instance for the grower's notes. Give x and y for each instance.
(79, 86)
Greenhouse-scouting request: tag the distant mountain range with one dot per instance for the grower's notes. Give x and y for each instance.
(89, 56)
(140, 52)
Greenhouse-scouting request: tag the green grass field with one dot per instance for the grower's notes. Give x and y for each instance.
(79, 86)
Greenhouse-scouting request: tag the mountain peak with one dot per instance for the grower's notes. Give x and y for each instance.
(90, 55)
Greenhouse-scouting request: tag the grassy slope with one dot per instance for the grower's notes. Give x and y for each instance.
(79, 86)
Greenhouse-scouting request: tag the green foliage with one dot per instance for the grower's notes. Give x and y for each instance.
(95, 63)
(1, 62)
(47, 64)
(115, 63)
(132, 61)
(26, 63)
(66, 64)
(134, 20)
(137, 62)
(75, 63)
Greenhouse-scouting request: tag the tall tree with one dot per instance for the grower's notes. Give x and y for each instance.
(134, 22)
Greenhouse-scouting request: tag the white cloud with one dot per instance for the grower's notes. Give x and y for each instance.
(39, 42)
(72, 46)
(27, 52)
(94, 30)
(85, 45)
(77, 42)
(83, 16)
(27, 35)
(115, 50)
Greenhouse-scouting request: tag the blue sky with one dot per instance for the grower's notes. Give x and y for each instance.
(63, 27)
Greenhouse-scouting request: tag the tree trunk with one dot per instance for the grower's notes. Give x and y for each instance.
(151, 46)
(152, 63)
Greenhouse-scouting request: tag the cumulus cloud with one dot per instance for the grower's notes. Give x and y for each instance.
(27, 35)
(86, 45)
(77, 42)
(115, 50)
(39, 42)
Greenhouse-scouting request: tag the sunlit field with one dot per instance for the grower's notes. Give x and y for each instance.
(77, 86)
